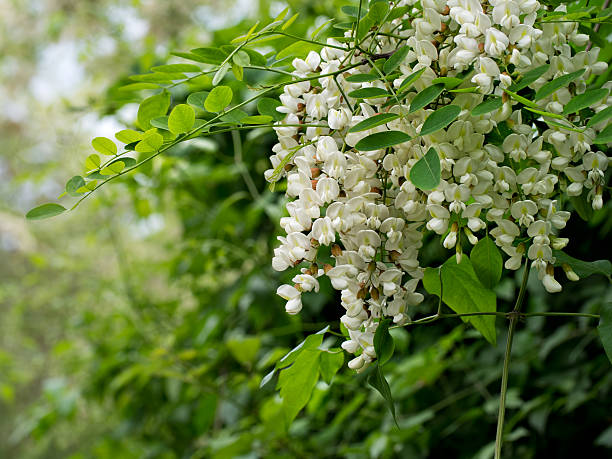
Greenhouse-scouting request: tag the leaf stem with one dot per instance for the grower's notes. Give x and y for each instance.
(504, 382)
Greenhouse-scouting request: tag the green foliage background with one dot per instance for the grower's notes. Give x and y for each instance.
(141, 325)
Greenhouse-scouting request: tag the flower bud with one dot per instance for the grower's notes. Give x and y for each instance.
(336, 250)
(327, 267)
(569, 273)
(374, 293)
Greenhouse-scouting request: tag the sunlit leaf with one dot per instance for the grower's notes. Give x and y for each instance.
(219, 98)
(104, 146)
(152, 107)
(181, 119)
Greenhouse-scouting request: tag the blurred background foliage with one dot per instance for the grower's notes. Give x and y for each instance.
(141, 325)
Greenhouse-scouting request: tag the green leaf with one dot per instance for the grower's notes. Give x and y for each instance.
(330, 364)
(378, 381)
(161, 78)
(128, 136)
(545, 113)
(603, 115)
(244, 349)
(604, 329)
(362, 78)
(104, 146)
(255, 57)
(604, 136)
(220, 74)
(150, 143)
(210, 55)
(583, 268)
(45, 211)
(378, 11)
(487, 262)
(396, 59)
(448, 82)
(161, 122)
(464, 294)
(585, 100)
(74, 184)
(425, 174)
(267, 106)
(176, 68)
(241, 58)
(410, 79)
(557, 83)
(235, 116)
(297, 382)
(197, 99)
(368, 93)
(257, 119)
(382, 140)
(113, 168)
(238, 72)
(521, 99)
(181, 119)
(529, 78)
(92, 162)
(465, 90)
(383, 342)
(372, 122)
(138, 86)
(298, 49)
(439, 119)
(488, 106)
(152, 107)
(218, 99)
(426, 96)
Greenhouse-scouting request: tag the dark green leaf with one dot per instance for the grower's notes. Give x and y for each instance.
(74, 184)
(138, 86)
(378, 11)
(210, 55)
(396, 59)
(557, 83)
(362, 78)
(368, 93)
(604, 136)
(383, 342)
(382, 140)
(176, 68)
(529, 78)
(584, 100)
(487, 262)
(45, 211)
(426, 96)
(464, 294)
(330, 363)
(439, 119)
(410, 79)
(425, 174)
(583, 268)
(605, 328)
(372, 122)
(603, 115)
(521, 99)
(197, 99)
(489, 105)
(267, 106)
(448, 82)
(377, 381)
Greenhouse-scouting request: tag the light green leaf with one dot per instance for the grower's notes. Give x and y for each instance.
(382, 140)
(257, 119)
(368, 93)
(529, 78)
(73, 185)
(241, 58)
(297, 382)
(161, 122)
(396, 59)
(45, 211)
(128, 136)
(464, 294)
(138, 86)
(161, 78)
(426, 96)
(439, 119)
(374, 121)
(488, 106)
(238, 72)
(362, 78)
(289, 21)
(267, 106)
(604, 329)
(92, 162)
(113, 168)
(210, 55)
(330, 364)
(104, 146)
(557, 83)
(298, 49)
(150, 143)
(152, 107)
(603, 115)
(425, 174)
(521, 99)
(220, 74)
(545, 113)
(378, 11)
(181, 119)
(583, 268)
(383, 342)
(410, 79)
(585, 100)
(176, 68)
(378, 381)
(604, 136)
(218, 99)
(487, 262)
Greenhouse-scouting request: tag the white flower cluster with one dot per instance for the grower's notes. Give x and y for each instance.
(363, 203)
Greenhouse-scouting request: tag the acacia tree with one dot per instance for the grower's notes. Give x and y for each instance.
(484, 125)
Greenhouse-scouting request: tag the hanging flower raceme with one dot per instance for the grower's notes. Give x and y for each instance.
(424, 131)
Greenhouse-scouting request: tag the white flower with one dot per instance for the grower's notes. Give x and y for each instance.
(496, 42)
(293, 297)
